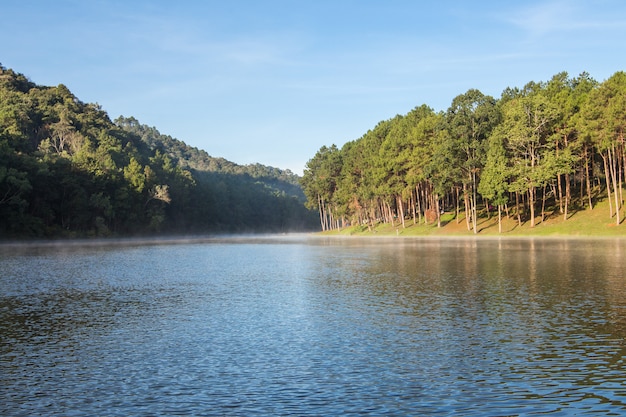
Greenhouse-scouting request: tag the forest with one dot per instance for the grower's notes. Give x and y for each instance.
(542, 150)
(68, 170)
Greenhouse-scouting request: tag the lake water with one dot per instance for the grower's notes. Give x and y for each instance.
(301, 325)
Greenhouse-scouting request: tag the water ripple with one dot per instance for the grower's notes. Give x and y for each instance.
(311, 327)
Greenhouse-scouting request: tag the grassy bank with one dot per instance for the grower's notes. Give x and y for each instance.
(579, 223)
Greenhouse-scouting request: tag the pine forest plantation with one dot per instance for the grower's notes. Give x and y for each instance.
(542, 150)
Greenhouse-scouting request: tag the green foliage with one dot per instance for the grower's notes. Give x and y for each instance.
(67, 170)
(533, 145)
(495, 176)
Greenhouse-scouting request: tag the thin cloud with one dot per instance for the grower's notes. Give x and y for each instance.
(546, 18)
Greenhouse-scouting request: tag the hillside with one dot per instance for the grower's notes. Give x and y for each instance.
(67, 170)
(194, 159)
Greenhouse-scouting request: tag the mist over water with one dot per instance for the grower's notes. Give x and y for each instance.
(300, 325)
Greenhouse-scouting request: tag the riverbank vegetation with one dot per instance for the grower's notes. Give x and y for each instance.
(547, 151)
(67, 170)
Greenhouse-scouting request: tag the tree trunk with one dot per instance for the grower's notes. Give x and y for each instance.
(568, 195)
(519, 214)
(320, 205)
(608, 183)
(467, 208)
(567, 185)
(558, 178)
(474, 198)
(616, 192)
(588, 176)
(499, 218)
(543, 203)
(458, 204)
(619, 176)
(419, 204)
(389, 214)
(319, 209)
(401, 209)
(623, 165)
(560, 188)
(531, 204)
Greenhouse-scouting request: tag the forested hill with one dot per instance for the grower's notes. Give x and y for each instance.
(67, 170)
(191, 158)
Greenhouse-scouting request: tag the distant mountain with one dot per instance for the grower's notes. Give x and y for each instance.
(67, 170)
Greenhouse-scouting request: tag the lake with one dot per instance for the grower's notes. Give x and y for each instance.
(305, 325)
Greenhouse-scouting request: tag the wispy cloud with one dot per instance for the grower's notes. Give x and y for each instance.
(540, 19)
(200, 42)
(555, 16)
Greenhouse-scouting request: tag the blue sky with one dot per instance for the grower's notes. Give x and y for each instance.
(273, 81)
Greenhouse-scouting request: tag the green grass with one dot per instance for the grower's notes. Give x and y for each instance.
(580, 223)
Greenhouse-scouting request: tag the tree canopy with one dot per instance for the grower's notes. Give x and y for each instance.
(66, 169)
(533, 146)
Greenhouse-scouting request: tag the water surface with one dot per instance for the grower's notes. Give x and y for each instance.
(301, 325)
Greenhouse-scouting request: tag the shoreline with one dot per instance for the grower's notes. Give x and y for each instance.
(580, 224)
(142, 241)
(469, 237)
(273, 237)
